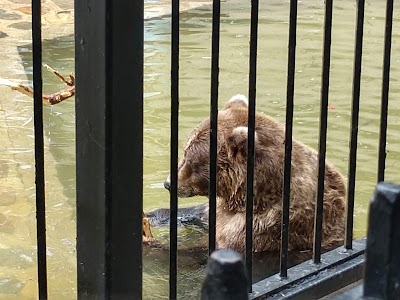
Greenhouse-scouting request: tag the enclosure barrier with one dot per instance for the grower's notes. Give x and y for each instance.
(173, 241)
(109, 166)
(385, 90)
(288, 139)
(109, 108)
(214, 124)
(226, 276)
(39, 147)
(355, 107)
(382, 269)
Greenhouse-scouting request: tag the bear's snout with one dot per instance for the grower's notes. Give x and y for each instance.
(167, 183)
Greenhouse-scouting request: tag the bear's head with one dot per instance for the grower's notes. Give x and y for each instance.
(193, 169)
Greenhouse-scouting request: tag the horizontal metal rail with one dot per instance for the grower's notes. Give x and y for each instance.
(306, 272)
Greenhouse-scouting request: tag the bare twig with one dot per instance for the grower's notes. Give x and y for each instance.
(52, 99)
(147, 235)
(70, 82)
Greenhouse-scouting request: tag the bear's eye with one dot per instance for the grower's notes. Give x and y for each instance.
(189, 162)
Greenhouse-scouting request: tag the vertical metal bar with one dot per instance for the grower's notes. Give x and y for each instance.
(109, 167)
(174, 150)
(125, 101)
(322, 131)
(354, 124)
(385, 91)
(39, 147)
(214, 124)
(288, 138)
(250, 140)
(90, 69)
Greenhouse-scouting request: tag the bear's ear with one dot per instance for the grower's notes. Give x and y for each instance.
(237, 141)
(237, 101)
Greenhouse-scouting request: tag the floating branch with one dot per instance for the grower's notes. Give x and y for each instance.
(52, 99)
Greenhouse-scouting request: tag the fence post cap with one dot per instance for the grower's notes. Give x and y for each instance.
(226, 256)
(382, 275)
(389, 191)
(226, 277)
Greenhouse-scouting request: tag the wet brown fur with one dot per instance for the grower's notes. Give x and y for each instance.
(193, 177)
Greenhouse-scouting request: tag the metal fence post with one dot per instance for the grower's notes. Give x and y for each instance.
(109, 148)
(226, 277)
(382, 271)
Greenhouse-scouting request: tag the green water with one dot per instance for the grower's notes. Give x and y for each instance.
(17, 245)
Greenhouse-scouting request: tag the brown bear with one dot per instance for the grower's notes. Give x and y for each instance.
(193, 180)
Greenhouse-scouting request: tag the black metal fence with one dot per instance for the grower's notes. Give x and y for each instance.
(227, 278)
(39, 148)
(109, 108)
